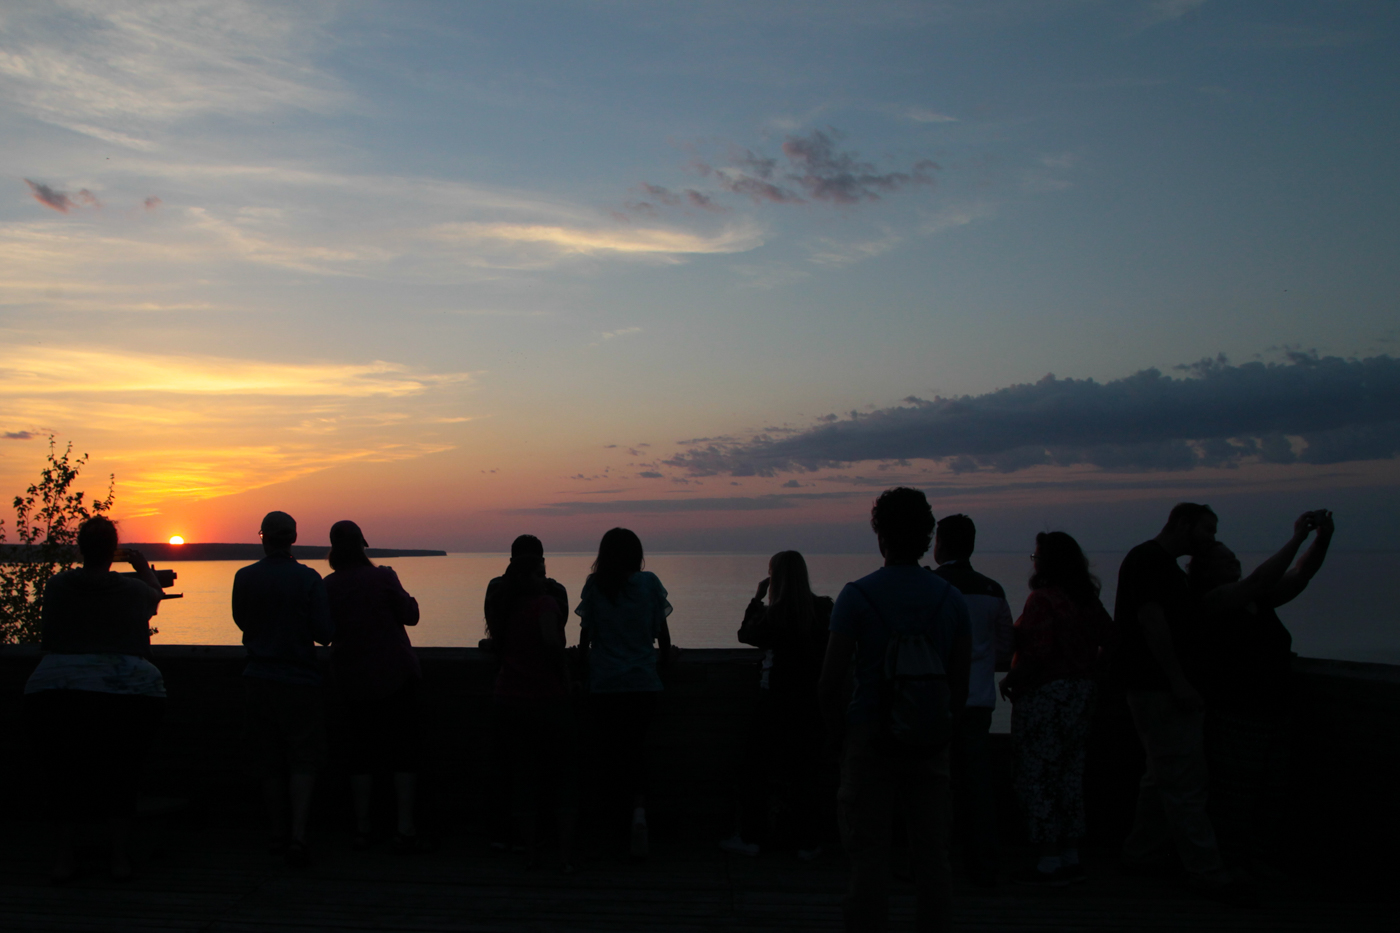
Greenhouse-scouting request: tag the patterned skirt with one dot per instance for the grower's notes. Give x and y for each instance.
(1049, 734)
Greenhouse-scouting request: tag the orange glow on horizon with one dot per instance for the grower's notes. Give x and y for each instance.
(176, 539)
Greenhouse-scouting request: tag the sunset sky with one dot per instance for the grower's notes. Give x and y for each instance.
(716, 271)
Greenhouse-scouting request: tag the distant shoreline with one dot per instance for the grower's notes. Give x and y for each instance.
(160, 551)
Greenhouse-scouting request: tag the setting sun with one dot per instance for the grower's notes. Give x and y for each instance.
(176, 539)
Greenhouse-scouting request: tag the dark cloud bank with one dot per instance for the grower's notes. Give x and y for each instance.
(1216, 414)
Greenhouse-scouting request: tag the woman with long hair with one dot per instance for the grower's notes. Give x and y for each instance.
(1059, 638)
(623, 610)
(95, 701)
(377, 678)
(785, 736)
(532, 720)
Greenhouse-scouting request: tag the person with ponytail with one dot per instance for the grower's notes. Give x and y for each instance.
(786, 734)
(377, 678)
(623, 610)
(532, 719)
(1060, 636)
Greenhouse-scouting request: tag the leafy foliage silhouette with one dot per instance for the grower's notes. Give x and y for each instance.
(47, 517)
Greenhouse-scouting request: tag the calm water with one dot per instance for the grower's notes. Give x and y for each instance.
(1350, 611)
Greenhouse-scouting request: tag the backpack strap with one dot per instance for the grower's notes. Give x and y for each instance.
(937, 611)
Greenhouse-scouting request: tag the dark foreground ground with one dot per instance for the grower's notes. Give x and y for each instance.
(223, 880)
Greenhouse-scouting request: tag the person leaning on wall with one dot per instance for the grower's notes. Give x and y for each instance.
(532, 718)
(283, 611)
(377, 681)
(624, 637)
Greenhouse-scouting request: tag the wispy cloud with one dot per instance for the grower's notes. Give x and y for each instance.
(1308, 409)
(812, 168)
(48, 370)
(613, 335)
(629, 241)
(1144, 14)
(924, 115)
(827, 174)
(829, 252)
(199, 426)
(124, 72)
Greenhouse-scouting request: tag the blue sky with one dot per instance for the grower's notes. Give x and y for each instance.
(453, 267)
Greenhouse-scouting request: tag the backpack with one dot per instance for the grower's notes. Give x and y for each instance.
(915, 705)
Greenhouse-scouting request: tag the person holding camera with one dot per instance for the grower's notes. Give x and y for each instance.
(95, 701)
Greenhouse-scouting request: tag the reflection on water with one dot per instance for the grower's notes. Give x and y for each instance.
(1351, 610)
(708, 591)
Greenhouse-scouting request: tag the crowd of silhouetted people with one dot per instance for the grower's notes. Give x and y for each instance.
(870, 721)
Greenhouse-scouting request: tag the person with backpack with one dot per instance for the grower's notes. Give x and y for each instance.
(1060, 637)
(903, 635)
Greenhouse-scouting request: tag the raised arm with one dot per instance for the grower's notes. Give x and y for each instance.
(137, 560)
(754, 630)
(1265, 576)
(1296, 579)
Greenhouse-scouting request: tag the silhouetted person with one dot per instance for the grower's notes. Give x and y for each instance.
(784, 754)
(623, 612)
(1159, 629)
(1060, 637)
(282, 608)
(95, 700)
(377, 680)
(1249, 691)
(974, 797)
(904, 632)
(532, 717)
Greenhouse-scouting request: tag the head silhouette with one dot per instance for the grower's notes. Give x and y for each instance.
(903, 522)
(526, 558)
(1214, 566)
(97, 541)
(278, 531)
(619, 556)
(790, 592)
(1060, 563)
(347, 546)
(1190, 528)
(954, 539)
